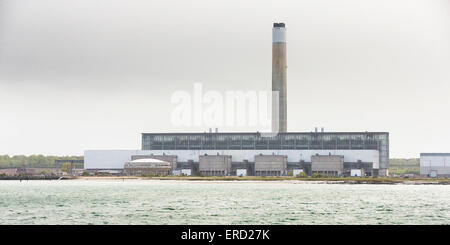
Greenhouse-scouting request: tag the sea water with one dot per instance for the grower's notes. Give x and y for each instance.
(219, 202)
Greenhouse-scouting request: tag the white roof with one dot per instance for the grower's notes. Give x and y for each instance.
(147, 160)
(147, 163)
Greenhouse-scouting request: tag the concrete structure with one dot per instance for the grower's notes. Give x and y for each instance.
(435, 164)
(357, 172)
(172, 159)
(331, 165)
(215, 165)
(270, 165)
(279, 78)
(147, 167)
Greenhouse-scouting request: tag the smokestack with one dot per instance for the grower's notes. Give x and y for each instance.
(279, 67)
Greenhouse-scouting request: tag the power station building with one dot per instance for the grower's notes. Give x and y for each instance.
(214, 153)
(145, 166)
(331, 165)
(223, 153)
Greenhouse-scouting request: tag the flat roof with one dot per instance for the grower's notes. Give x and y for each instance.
(253, 133)
(434, 154)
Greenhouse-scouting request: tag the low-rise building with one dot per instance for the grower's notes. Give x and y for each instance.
(215, 165)
(187, 172)
(357, 172)
(270, 165)
(30, 171)
(172, 159)
(435, 164)
(147, 166)
(241, 172)
(331, 165)
(9, 172)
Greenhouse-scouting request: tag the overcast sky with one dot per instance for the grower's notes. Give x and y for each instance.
(95, 74)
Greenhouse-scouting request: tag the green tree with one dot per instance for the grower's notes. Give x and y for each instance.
(302, 175)
(316, 175)
(35, 161)
(66, 167)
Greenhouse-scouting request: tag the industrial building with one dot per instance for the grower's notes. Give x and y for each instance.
(270, 165)
(145, 166)
(365, 150)
(435, 164)
(330, 165)
(219, 165)
(172, 159)
(368, 150)
(251, 153)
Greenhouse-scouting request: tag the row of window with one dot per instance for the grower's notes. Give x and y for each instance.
(155, 144)
(252, 138)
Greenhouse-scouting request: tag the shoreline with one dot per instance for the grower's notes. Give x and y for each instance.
(346, 180)
(318, 180)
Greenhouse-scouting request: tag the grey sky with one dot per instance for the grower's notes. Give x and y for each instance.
(91, 74)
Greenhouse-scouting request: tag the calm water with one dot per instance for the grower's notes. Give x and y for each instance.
(189, 202)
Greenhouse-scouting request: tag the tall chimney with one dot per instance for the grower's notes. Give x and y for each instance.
(279, 67)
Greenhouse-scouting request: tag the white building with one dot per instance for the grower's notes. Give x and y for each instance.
(356, 172)
(435, 164)
(187, 172)
(241, 172)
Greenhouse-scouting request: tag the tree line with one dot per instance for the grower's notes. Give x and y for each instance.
(35, 161)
